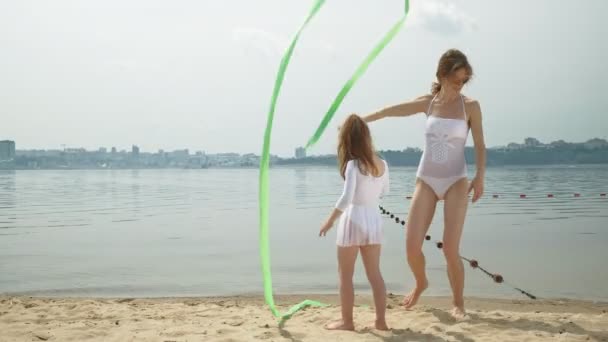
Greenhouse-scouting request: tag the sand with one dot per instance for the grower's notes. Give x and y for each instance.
(246, 318)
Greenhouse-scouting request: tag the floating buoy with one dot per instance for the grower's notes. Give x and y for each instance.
(497, 278)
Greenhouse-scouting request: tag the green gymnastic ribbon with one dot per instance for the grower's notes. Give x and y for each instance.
(265, 158)
(358, 73)
(263, 182)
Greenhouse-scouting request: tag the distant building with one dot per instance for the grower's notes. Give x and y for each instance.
(300, 153)
(179, 157)
(558, 143)
(596, 143)
(135, 151)
(102, 150)
(514, 146)
(183, 154)
(532, 142)
(7, 150)
(113, 150)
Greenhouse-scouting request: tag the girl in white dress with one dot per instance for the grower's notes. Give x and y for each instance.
(366, 180)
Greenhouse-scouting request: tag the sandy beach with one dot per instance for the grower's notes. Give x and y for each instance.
(247, 318)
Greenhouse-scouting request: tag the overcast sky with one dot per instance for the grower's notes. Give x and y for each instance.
(199, 74)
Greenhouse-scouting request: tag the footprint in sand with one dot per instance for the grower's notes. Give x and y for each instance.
(266, 335)
(235, 323)
(177, 333)
(436, 328)
(125, 300)
(225, 331)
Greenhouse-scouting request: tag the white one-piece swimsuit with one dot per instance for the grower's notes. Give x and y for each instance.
(443, 162)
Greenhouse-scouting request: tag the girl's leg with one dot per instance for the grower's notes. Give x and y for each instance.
(346, 267)
(371, 260)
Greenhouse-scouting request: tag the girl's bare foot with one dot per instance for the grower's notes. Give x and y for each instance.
(340, 325)
(412, 298)
(381, 325)
(458, 313)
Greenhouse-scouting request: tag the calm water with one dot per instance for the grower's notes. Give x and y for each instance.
(195, 232)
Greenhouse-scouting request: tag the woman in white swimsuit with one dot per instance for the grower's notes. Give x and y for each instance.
(442, 172)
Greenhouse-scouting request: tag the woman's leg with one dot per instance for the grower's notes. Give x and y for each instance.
(455, 209)
(420, 215)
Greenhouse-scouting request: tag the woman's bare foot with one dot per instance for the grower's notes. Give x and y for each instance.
(381, 325)
(458, 313)
(340, 325)
(412, 298)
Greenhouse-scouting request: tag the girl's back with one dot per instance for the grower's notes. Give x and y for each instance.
(364, 188)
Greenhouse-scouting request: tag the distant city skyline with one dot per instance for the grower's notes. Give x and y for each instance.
(531, 152)
(298, 152)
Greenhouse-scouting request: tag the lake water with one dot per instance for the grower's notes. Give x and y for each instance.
(195, 233)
